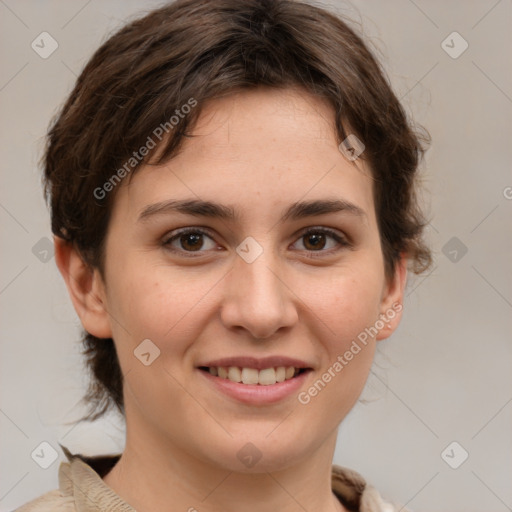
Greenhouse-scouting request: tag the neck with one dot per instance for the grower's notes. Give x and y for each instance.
(151, 478)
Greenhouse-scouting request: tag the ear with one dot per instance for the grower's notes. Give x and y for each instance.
(392, 300)
(85, 287)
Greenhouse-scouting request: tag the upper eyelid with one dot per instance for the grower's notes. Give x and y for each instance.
(184, 230)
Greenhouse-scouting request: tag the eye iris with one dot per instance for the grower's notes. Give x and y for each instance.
(194, 242)
(317, 239)
(195, 238)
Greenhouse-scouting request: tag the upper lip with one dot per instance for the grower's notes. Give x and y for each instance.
(257, 363)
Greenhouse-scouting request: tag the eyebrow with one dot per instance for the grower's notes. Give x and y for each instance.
(296, 211)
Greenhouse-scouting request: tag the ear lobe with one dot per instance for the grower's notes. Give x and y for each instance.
(85, 287)
(392, 300)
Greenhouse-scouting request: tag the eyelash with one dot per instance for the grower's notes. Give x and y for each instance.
(342, 241)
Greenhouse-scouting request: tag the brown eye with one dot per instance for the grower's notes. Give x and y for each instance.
(190, 240)
(314, 241)
(322, 240)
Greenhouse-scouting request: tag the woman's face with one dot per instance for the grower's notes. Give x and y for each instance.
(247, 287)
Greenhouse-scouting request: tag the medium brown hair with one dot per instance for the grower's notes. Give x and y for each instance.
(203, 49)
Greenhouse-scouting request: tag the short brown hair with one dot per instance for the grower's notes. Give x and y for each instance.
(202, 49)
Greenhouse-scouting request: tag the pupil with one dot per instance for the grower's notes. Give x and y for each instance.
(318, 241)
(194, 238)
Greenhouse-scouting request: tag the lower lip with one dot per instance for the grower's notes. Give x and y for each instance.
(256, 394)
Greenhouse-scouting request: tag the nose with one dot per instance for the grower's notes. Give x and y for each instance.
(257, 299)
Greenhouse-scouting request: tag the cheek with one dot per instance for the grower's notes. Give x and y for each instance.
(157, 304)
(167, 308)
(347, 304)
(348, 307)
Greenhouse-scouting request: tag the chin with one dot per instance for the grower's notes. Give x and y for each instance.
(259, 452)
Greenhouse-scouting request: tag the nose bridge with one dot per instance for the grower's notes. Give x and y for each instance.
(256, 298)
(260, 282)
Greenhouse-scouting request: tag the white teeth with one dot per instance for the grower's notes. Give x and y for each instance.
(280, 374)
(265, 377)
(234, 374)
(250, 376)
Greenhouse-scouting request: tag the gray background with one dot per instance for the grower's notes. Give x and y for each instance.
(444, 376)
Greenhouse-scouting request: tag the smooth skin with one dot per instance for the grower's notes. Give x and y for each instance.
(306, 296)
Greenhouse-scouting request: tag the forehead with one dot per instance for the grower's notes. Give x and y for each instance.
(289, 112)
(262, 147)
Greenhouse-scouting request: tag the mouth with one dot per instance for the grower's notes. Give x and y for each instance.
(254, 377)
(256, 381)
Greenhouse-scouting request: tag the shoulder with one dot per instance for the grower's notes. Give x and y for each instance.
(356, 494)
(53, 501)
(85, 475)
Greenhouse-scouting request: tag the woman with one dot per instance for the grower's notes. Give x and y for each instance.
(232, 197)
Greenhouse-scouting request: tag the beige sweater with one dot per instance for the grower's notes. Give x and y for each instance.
(81, 489)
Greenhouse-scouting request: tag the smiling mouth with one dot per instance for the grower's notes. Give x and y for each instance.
(252, 376)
